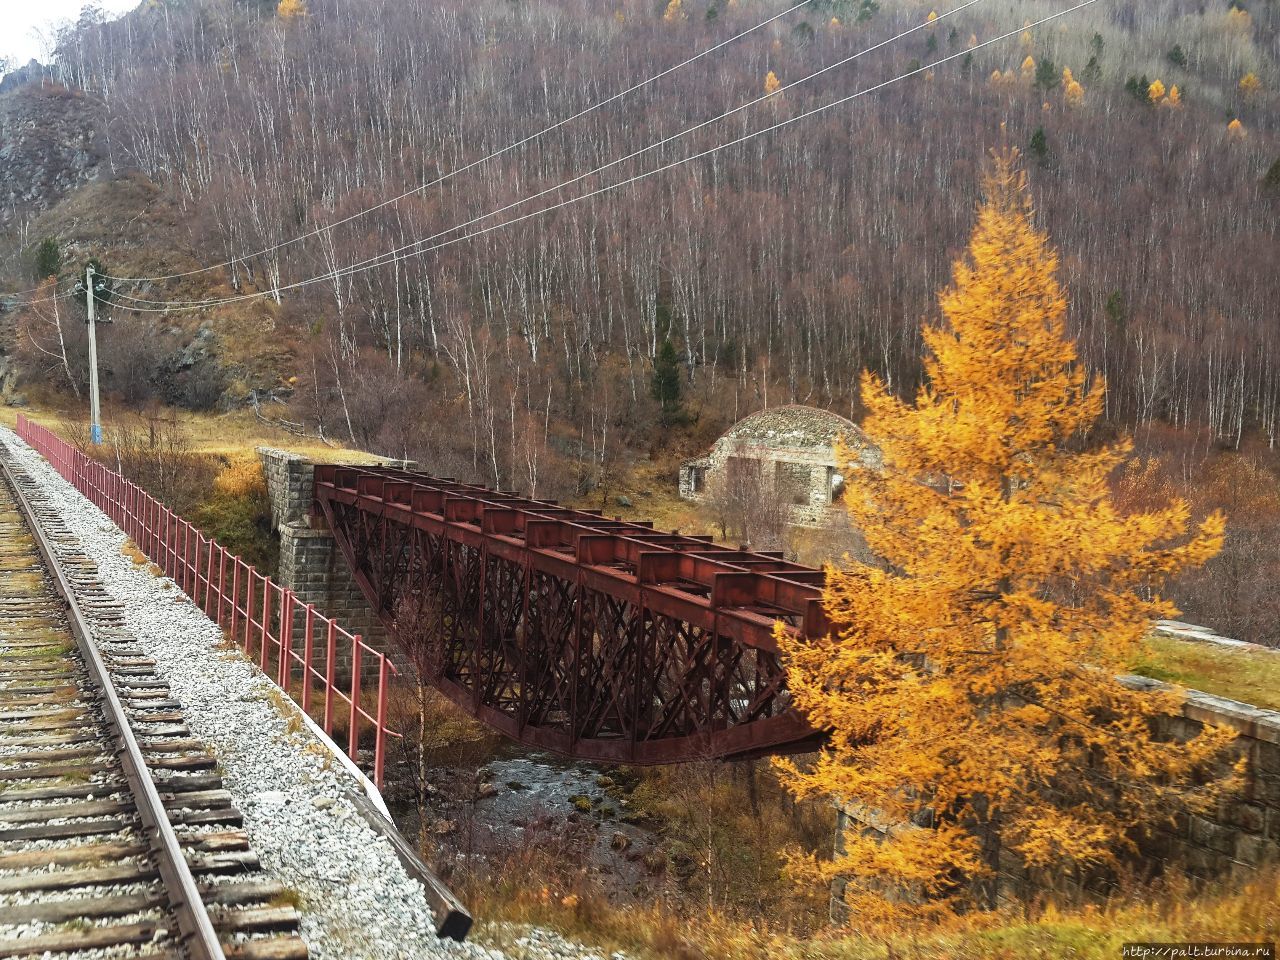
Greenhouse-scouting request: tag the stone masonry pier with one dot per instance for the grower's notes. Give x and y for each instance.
(311, 565)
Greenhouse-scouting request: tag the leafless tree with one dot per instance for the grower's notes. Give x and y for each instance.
(747, 505)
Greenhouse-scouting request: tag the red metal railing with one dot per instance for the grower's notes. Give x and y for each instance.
(251, 608)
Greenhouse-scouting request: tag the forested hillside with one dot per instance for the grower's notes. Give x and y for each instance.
(778, 269)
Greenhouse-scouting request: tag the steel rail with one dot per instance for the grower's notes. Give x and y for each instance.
(198, 938)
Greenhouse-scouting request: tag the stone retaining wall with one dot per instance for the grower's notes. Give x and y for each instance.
(1234, 840)
(1244, 831)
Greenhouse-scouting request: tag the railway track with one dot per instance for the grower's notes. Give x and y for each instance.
(117, 838)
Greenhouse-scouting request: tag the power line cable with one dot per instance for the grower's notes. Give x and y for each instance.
(28, 303)
(475, 163)
(23, 293)
(396, 257)
(77, 289)
(612, 163)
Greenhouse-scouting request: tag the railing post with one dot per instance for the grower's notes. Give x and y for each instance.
(286, 638)
(332, 654)
(194, 594)
(308, 641)
(380, 726)
(208, 582)
(235, 598)
(248, 609)
(266, 623)
(222, 581)
(353, 733)
(167, 565)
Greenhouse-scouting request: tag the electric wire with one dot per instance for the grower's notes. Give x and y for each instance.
(23, 293)
(603, 167)
(398, 256)
(475, 163)
(28, 303)
(395, 256)
(698, 156)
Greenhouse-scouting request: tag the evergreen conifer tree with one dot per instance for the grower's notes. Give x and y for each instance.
(666, 383)
(48, 259)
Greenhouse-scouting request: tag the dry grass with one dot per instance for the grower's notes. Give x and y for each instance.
(134, 552)
(650, 489)
(233, 435)
(287, 898)
(1252, 676)
(1242, 912)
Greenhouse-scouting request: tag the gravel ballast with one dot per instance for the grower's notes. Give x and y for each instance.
(356, 899)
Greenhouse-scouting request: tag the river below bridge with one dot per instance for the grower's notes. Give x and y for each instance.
(519, 807)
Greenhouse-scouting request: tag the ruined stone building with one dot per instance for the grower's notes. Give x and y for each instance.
(791, 450)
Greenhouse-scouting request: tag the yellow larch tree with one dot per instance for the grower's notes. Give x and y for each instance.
(674, 12)
(1238, 19)
(1250, 85)
(1174, 99)
(1072, 92)
(771, 84)
(969, 681)
(1236, 130)
(1029, 69)
(1155, 92)
(291, 9)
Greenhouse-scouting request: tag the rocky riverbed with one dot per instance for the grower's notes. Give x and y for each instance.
(516, 800)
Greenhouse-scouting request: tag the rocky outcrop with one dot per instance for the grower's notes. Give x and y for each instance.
(33, 72)
(49, 145)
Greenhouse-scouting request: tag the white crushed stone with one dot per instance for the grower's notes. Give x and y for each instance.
(357, 902)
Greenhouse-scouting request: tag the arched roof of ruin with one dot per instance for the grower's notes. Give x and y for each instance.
(796, 427)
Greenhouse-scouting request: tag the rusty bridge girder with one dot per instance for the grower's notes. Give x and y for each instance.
(594, 638)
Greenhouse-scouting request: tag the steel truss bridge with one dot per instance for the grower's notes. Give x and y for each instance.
(598, 639)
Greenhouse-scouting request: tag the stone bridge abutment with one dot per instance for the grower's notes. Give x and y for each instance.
(311, 564)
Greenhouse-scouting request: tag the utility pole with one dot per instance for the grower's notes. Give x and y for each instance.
(95, 408)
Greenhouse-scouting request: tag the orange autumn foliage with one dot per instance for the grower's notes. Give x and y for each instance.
(241, 477)
(969, 680)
